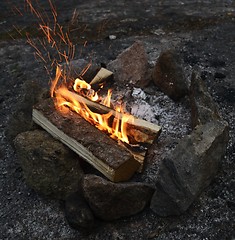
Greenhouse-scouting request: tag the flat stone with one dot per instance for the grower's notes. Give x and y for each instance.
(110, 201)
(189, 168)
(49, 167)
(131, 66)
(168, 75)
(203, 108)
(78, 213)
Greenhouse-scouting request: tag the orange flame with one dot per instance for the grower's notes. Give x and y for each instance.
(114, 123)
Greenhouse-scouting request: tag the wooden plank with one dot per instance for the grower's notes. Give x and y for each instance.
(94, 146)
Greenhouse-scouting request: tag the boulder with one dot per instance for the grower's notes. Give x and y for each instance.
(203, 108)
(168, 75)
(74, 68)
(78, 213)
(49, 167)
(189, 168)
(131, 66)
(110, 201)
(21, 119)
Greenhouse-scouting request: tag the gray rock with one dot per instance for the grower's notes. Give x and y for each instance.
(111, 201)
(189, 168)
(78, 213)
(75, 68)
(203, 108)
(21, 120)
(49, 167)
(131, 66)
(168, 75)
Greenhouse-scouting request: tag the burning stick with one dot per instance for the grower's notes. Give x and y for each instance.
(140, 133)
(148, 130)
(135, 134)
(93, 145)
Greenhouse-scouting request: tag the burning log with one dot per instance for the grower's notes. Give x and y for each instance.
(140, 133)
(93, 145)
(118, 162)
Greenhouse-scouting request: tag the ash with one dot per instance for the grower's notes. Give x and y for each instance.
(159, 109)
(152, 105)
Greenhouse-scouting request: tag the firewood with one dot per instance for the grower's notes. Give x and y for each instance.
(93, 145)
(139, 130)
(101, 76)
(147, 131)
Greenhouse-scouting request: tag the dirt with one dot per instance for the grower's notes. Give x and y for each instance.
(202, 32)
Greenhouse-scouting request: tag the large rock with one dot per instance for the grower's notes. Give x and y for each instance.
(75, 68)
(203, 108)
(48, 166)
(168, 75)
(21, 120)
(111, 201)
(131, 66)
(189, 168)
(78, 213)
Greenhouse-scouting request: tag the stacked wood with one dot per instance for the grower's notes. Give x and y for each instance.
(139, 131)
(117, 161)
(93, 145)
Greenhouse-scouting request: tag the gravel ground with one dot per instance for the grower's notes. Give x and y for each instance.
(202, 31)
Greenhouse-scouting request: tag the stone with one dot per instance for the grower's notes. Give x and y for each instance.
(189, 168)
(219, 75)
(75, 67)
(78, 213)
(21, 120)
(203, 108)
(168, 75)
(110, 201)
(49, 167)
(131, 66)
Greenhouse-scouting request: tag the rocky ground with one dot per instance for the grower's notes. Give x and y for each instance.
(203, 33)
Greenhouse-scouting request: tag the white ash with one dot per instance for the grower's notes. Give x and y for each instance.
(112, 37)
(160, 109)
(174, 118)
(138, 93)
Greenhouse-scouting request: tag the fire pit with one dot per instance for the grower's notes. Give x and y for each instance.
(105, 155)
(186, 169)
(187, 166)
(78, 110)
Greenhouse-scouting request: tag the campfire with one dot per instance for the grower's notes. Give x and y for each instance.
(132, 136)
(82, 114)
(75, 95)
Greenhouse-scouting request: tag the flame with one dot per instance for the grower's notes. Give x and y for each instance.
(114, 123)
(81, 84)
(57, 38)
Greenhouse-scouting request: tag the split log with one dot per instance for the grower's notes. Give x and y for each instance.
(144, 130)
(93, 145)
(101, 76)
(139, 131)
